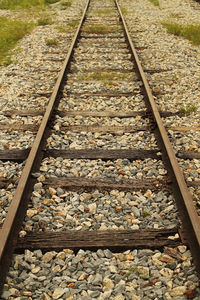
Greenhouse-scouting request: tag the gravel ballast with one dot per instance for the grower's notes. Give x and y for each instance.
(135, 275)
(58, 209)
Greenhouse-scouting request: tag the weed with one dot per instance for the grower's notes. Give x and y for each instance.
(7, 61)
(73, 23)
(66, 4)
(174, 77)
(51, 42)
(191, 108)
(176, 15)
(124, 11)
(63, 29)
(21, 4)
(155, 2)
(51, 1)
(25, 4)
(10, 32)
(100, 29)
(44, 21)
(145, 213)
(101, 12)
(105, 77)
(130, 271)
(190, 31)
(68, 27)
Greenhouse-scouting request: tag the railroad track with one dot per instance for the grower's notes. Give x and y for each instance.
(100, 158)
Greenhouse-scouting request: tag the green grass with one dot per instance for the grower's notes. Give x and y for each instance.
(174, 77)
(101, 12)
(10, 32)
(105, 77)
(69, 27)
(66, 4)
(51, 1)
(20, 4)
(24, 4)
(6, 61)
(64, 29)
(124, 11)
(145, 213)
(155, 2)
(191, 108)
(73, 23)
(130, 271)
(45, 20)
(190, 31)
(176, 15)
(51, 42)
(100, 29)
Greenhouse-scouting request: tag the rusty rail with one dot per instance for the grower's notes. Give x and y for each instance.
(187, 212)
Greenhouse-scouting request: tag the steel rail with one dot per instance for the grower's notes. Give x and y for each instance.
(188, 215)
(17, 209)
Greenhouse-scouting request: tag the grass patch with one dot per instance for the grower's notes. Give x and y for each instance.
(101, 12)
(190, 31)
(69, 27)
(43, 21)
(130, 271)
(155, 2)
(176, 15)
(124, 11)
(21, 4)
(51, 1)
(191, 108)
(10, 32)
(73, 24)
(7, 61)
(51, 42)
(66, 4)
(25, 4)
(145, 213)
(100, 29)
(63, 29)
(175, 77)
(105, 77)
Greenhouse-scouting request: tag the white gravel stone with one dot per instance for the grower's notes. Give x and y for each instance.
(88, 275)
(87, 140)
(100, 103)
(117, 169)
(178, 291)
(10, 169)
(58, 293)
(16, 139)
(100, 210)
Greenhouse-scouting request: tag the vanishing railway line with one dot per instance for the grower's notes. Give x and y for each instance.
(100, 155)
